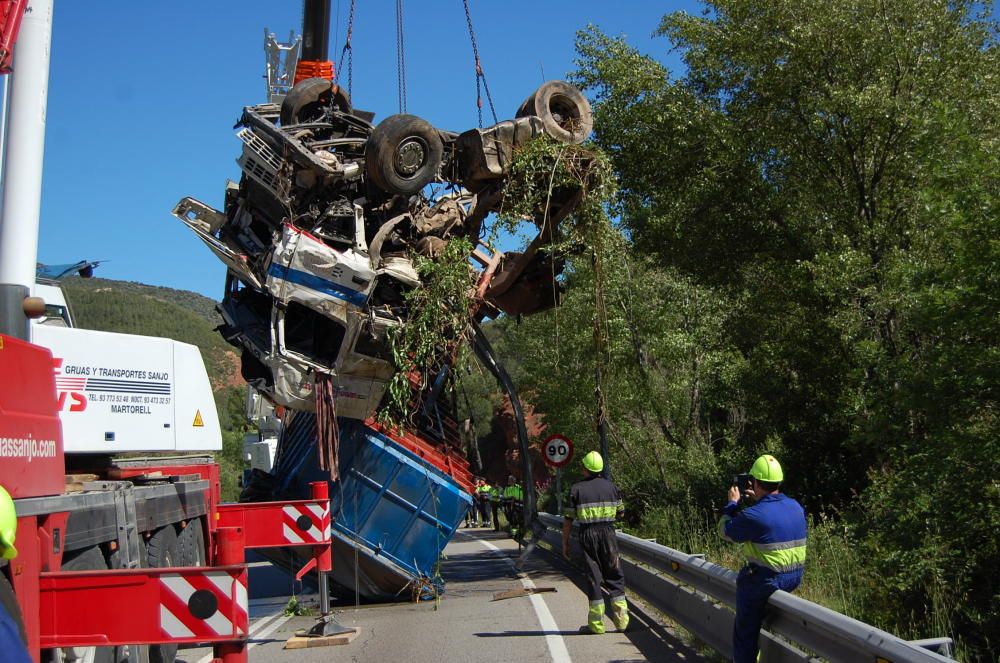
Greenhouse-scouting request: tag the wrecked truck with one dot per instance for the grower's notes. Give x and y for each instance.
(319, 238)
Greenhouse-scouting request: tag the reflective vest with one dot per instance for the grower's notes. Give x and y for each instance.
(772, 532)
(494, 494)
(513, 492)
(484, 489)
(594, 500)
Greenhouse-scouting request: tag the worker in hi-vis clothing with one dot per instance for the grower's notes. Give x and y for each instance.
(12, 646)
(772, 534)
(595, 504)
(495, 504)
(483, 501)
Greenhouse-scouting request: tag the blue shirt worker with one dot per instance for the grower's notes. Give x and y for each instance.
(595, 504)
(772, 535)
(12, 647)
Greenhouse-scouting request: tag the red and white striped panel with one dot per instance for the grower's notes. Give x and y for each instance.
(204, 605)
(307, 523)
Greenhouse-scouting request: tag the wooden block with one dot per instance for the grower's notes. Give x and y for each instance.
(74, 482)
(302, 642)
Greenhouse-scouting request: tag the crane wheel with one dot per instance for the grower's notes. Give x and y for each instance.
(564, 111)
(403, 154)
(88, 559)
(161, 552)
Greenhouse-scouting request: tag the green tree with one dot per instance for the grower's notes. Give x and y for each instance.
(826, 170)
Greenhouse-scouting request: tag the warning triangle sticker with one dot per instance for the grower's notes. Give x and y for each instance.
(198, 421)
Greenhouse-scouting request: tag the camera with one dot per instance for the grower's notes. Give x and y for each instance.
(743, 482)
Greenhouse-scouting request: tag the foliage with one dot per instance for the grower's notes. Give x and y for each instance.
(810, 213)
(436, 324)
(131, 308)
(230, 404)
(295, 608)
(203, 306)
(545, 172)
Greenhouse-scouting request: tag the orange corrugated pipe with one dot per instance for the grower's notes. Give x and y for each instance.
(313, 69)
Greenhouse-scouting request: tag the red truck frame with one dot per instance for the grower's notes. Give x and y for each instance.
(200, 597)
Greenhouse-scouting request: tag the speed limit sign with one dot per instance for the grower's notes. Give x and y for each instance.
(558, 450)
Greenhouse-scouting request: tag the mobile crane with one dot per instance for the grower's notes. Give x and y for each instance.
(112, 552)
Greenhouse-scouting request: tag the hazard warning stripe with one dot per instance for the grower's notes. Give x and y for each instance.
(324, 519)
(319, 520)
(176, 618)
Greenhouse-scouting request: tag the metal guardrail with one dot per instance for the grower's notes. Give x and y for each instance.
(701, 596)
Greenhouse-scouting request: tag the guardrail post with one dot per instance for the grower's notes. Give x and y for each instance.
(230, 550)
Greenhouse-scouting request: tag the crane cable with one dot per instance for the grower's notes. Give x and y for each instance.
(348, 50)
(400, 58)
(481, 83)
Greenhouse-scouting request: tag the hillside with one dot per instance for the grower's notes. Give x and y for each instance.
(135, 308)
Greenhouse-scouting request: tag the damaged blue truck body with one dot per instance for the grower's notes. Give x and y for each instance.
(393, 511)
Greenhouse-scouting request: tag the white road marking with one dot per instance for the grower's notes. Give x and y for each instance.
(553, 639)
(258, 631)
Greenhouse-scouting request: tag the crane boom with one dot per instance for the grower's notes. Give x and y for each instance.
(24, 151)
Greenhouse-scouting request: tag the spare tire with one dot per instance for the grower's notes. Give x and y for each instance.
(403, 154)
(307, 101)
(564, 111)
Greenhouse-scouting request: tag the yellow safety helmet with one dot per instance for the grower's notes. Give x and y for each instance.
(8, 525)
(767, 469)
(593, 462)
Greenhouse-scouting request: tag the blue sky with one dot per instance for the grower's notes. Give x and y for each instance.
(143, 97)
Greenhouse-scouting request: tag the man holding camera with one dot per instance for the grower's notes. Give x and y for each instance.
(772, 534)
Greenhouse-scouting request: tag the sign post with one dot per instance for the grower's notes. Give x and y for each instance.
(558, 451)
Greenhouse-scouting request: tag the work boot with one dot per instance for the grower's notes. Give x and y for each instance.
(595, 618)
(619, 613)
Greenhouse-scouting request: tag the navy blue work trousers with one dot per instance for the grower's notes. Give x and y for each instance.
(754, 586)
(12, 649)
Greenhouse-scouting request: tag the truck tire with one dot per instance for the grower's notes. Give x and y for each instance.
(403, 154)
(307, 101)
(564, 111)
(9, 601)
(88, 559)
(191, 544)
(161, 552)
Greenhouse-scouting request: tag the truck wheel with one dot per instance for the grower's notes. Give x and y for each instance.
(307, 101)
(564, 111)
(89, 559)
(403, 154)
(9, 602)
(161, 551)
(191, 544)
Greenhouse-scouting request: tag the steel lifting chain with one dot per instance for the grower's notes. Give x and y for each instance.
(348, 50)
(481, 83)
(400, 57)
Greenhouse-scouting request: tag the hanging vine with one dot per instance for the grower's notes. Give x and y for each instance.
(544, 174)
(436, 324)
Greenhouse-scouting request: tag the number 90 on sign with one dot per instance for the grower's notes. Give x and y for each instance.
(558, 450)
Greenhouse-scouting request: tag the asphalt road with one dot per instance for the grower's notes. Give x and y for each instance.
(466, 624)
